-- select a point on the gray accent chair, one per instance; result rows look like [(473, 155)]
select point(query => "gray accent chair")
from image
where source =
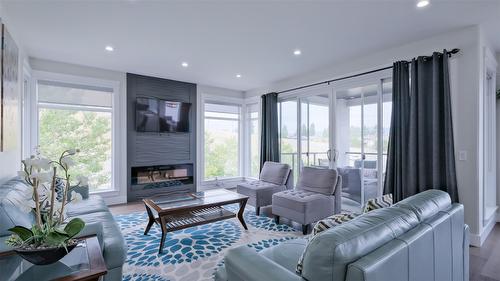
[(274, 177), (420, 238), (98, 221), (351, 183), (315, 197)]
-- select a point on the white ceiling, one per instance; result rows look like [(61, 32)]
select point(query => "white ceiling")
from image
[(221, 38)]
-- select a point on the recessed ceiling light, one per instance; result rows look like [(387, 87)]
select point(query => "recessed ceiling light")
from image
[(422, 3), (297, 52), (238, 75), (184, 64), (109, 48)]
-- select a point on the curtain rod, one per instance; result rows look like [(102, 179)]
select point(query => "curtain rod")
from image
[(450, 53)]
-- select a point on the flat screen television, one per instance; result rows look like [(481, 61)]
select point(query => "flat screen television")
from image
[(146, 115), (174, 116), (156, 115)]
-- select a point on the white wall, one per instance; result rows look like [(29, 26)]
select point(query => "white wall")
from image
[(10, 161), (465, 84)]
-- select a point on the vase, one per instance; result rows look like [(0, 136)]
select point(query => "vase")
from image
[(44, 256)]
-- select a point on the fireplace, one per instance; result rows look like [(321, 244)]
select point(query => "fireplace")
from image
[(161, 179)]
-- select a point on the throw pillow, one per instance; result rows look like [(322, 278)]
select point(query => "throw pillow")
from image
[(323, 225), (377, 203)]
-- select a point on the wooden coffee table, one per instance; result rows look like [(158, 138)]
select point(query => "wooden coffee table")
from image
[(174, 212)]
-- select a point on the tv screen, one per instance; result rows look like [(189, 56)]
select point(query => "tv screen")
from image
[(146, 115), (174, 116)]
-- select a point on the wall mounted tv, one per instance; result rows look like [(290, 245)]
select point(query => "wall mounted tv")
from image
[(156, 115)]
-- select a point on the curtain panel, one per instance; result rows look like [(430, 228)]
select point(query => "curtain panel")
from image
[(421, 152), (269, 137)]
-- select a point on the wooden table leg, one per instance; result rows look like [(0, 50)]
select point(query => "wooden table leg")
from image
[(151, 220), (243, 203), (163, 234)]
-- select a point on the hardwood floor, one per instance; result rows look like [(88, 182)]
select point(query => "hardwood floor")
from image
[(484, 262)]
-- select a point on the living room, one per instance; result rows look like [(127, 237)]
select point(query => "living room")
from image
[(216, 140)]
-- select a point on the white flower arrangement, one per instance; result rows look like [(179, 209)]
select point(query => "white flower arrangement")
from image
[(41, 175)]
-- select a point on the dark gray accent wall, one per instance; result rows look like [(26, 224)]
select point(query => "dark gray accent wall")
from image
[(149, 149)]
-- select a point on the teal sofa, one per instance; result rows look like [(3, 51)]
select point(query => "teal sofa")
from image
[(420, 238), (93, 211)]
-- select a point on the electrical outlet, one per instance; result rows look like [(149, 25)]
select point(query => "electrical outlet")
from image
[(462, 155)]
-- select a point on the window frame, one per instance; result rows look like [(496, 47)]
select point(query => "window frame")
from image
[(118, 123), (248, 103), (243, 147)]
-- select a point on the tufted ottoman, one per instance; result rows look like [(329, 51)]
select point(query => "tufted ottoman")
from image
[(259, 192), (274, 177), (315, 197)]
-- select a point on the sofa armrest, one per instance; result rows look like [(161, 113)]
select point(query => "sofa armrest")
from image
[(466, 252), (91, 229), (243, 263)]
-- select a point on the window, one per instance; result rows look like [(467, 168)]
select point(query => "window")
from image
[(78, 116), (254, 141), (221, 140)]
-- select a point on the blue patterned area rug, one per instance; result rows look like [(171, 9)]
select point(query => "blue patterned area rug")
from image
[(193, 253)]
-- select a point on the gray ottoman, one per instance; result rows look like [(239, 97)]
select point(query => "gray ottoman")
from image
[(274, 177), (316, 196)]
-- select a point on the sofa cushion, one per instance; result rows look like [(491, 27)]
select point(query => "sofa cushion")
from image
[(12, 193), (276, 173), (328, 254), (318, 180), (93, 204), (115, 249), (286, 253)]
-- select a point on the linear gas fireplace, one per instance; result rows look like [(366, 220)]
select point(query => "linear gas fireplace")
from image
[(161, 179)]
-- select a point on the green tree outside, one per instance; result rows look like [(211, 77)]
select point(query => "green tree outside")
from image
[(88, 131)]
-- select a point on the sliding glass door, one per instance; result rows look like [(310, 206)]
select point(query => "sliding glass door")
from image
[(343, 125), (362, 124), (305, 130)]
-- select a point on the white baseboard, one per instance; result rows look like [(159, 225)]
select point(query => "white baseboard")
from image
[(477, 240)]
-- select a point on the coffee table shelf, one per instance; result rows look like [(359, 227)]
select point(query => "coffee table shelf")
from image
[(196, 217), (204, 207)]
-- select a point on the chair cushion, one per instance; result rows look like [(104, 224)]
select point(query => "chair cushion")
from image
[(426, 204), (86, 206), (276, 173), (319, 180), (299, 200), (286, 253)]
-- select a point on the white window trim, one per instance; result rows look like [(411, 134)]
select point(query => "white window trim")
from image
[(118, 126), (247, 160), (227, 182)]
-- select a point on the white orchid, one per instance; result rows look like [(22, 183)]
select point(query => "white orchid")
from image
[(41, 163), (75, 196), (42, 177), (73, 151), (82, 180), (67, 162), (22, 174)]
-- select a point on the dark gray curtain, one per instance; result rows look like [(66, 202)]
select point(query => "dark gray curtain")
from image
[(269, 140), (421, 152)]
